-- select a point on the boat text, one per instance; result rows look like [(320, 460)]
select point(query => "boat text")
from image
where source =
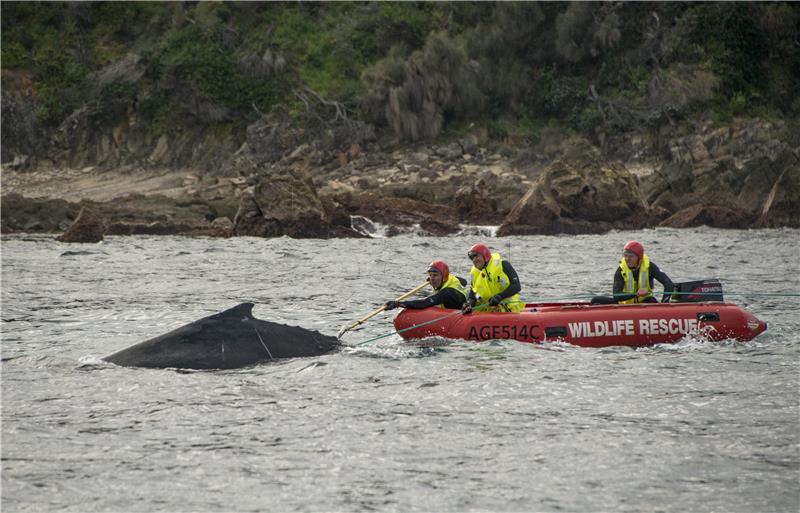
[(621, 327), (500, 332)]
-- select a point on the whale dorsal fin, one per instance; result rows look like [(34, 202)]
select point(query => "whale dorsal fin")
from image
[(240, 311)]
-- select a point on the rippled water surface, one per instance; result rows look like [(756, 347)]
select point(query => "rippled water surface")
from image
[(390, 425)]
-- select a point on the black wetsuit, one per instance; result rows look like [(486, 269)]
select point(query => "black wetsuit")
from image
[(655, 273), (448, 297), (513, 288)]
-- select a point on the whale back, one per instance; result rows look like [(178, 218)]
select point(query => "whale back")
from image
[(229, 339)]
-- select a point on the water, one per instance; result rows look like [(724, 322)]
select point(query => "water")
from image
[(390, 425)]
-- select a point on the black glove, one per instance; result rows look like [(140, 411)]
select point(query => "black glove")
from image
[(495, 300), (391, 305), (467, 307)]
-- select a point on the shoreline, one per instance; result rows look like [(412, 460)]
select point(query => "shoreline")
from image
[(178, 202), (570, 186)]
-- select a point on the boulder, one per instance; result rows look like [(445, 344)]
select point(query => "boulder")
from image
[(222, 227), (88, 227), (578, 194), (284, 202)]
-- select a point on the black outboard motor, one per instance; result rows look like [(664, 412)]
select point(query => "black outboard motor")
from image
[(697, 291)]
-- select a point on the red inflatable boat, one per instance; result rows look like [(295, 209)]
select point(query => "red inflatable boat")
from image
[(587, 325)]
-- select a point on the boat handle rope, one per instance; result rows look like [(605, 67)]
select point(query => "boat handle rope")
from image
[(589, 296), (780, 294)]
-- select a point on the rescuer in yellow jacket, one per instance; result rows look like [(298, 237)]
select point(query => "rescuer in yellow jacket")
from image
[(494, 283), (450, 291), (633, 279)]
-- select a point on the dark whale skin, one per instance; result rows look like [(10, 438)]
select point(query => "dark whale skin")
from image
[(228, 340)]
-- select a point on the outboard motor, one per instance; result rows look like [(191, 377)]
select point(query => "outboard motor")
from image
[(698, 291)]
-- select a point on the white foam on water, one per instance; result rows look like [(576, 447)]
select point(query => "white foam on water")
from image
[(475, 230), (368, 227)]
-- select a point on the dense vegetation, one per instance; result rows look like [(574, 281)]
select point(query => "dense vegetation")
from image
[(416, 69)]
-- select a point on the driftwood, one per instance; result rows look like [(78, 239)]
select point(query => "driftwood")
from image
[(313, 101)]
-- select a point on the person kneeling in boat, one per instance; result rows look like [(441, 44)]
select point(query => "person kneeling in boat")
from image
[(450, 291), (633, 280), (495, 284)]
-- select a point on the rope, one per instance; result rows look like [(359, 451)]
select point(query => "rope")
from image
[(263, 344), (397, 332), (778, 294), (589, 296), (451, 314)]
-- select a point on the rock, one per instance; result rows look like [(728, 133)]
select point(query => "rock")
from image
[(335, 212), (702, 215), (734, 167), (367, 182), (19, 213), (475, 205), (578, 194), (410, 168), (781, 207), (23, 136), (159, 153), (283, 203), (450, 152), (469, 144), (248, 219), (126, 70), (400, 213), (222, 227), (668, 186), (436, 228), (19, 163), (88, 227)]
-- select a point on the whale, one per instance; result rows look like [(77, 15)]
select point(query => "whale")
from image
[(230, 339)]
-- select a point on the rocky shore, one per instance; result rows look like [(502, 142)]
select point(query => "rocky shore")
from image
[(301, 181)]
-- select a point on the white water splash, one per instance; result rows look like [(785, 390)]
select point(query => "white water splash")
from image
[(368, 227), (477, 230)]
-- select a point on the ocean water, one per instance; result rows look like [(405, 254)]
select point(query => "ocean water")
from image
[(390, 425)]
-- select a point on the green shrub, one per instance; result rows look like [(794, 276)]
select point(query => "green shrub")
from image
[(586, 120), (562, 94), (14, 55), (211, 71)]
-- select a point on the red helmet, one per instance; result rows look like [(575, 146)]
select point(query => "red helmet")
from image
[(635, 248), (441, 267), (480, 249)]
